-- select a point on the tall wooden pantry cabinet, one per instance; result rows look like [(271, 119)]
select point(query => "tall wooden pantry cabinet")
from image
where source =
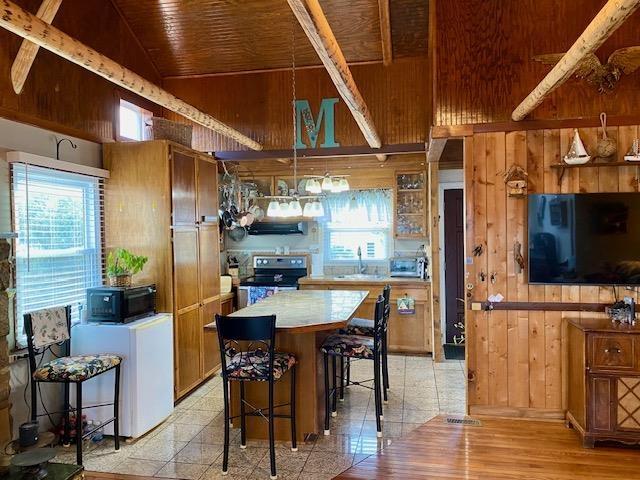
[(161, 200)]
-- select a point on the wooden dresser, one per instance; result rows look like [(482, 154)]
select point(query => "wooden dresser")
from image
[(161, 200), (604, 380)]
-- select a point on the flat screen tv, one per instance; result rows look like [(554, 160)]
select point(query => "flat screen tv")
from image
[(584, 239)]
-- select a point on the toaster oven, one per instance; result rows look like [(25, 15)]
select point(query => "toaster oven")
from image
[(120, 304), (411, 267)]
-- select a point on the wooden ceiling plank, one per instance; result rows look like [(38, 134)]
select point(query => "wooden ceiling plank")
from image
[(315, 25), (28, 50), (22, 23), (612, 15), (385, 32)]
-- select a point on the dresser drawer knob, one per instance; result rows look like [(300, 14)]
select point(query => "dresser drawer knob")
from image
[(614, 350)]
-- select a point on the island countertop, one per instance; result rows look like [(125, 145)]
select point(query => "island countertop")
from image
[(361, 280), (303, 311)]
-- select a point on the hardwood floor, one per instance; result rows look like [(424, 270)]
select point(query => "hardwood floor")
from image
[(498, 449)]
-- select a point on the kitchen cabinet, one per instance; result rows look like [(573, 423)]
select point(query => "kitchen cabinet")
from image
[(604, 381), (161, 201), (410, 333), (410, 220)]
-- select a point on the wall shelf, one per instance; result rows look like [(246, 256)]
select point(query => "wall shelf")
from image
[(561, 167), (539, 306)]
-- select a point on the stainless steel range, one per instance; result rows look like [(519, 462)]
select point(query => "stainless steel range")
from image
[(272, 274)]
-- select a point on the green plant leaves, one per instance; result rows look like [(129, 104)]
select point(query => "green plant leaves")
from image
[(122, 262)]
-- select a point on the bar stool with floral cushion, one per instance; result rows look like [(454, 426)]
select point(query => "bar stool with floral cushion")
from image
[(356, 347), (365, 327), (52, 327), (247, 347)]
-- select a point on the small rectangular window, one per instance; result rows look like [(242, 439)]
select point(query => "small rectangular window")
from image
[(132, 120)]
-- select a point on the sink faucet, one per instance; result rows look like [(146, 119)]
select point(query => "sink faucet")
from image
[(361, 266)]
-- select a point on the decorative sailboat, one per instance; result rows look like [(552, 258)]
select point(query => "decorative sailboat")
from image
[(577, 154), (634, 153)]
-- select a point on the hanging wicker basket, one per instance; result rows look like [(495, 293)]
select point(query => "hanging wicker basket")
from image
[(163, 129), (120, 280)]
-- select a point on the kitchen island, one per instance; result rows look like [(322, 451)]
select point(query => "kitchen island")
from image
[(409, 332), (303, 320)]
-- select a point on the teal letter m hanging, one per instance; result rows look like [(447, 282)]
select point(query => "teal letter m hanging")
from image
[(305, 122)]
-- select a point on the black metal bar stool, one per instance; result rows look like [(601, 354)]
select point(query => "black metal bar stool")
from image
[(256, 363), (356, 347), (52, 326), (366, 327)]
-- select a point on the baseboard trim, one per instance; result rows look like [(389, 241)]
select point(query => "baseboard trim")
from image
[(517, 412)]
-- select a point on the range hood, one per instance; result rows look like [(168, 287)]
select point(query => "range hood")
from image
[(277, 228)]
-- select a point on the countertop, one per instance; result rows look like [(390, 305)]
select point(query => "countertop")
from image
[(603, 325), (303, 311), (333, 279)]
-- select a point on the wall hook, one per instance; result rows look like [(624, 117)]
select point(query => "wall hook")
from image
[(477, 251), (482, 276), (58, 142), (494, 278)]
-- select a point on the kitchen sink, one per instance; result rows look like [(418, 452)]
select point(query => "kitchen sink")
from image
[(361, 276)]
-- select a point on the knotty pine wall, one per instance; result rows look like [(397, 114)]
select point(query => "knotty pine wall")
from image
[(516, 358)]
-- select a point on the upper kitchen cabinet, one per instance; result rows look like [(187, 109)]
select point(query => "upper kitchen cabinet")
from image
[(411, 205), (161, 202)]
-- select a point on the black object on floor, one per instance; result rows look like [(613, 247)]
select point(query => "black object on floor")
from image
[(453, 351)]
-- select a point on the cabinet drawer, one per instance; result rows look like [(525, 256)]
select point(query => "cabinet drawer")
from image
[(612, 352)]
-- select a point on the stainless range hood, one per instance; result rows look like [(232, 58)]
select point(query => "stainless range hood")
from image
[(278, 228)]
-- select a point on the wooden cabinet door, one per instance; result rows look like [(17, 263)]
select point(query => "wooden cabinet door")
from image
[(226, 307), (207, 191), (407, 332), (210, 345), (209, 262), (602, 411), (188, 346), (183, 187), (185, 268)]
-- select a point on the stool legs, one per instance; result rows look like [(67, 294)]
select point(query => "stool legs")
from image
[(341, 379), (334, 392), (116, 409), (66, 441), (225, 454), (294, 441), (377, 392), (326, 393), (243, 421), (34, 400), (272, 447), (385, 368), (79, 423)]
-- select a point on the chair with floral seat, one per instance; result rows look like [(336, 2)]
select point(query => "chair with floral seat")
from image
[(247, 348), (359, 347), (365, 327), (46, 329)]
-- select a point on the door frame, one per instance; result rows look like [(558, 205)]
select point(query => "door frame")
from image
[(448, 180)]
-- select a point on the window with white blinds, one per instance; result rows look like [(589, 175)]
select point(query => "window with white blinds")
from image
[(58, 218)]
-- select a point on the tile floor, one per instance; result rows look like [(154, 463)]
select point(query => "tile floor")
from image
[(188, 445)]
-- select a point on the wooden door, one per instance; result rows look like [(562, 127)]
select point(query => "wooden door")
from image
[(185, 267), (454, 264), (209, 262), (188, 346), (183, 187), (210, 346), (207, 191)]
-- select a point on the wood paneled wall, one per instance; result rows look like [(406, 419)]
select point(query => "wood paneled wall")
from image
[(516, 358), (259, 104), (484, 65), (64, 97)]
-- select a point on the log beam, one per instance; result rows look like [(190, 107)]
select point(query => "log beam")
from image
[(28, 50), (382, 157), (28, 26), (612, 15), (315, 25), (385, 32)]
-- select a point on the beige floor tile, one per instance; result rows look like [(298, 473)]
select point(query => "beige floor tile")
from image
[(214, 434), (286, 460), (409, 427), (315, 476), (337, 443), (187, 471), (236, 472), (327, 463), (389, 429), (390, 413), (419, 416), (179, 432), (370, 444), (161, 450), (201, 453), (209, 404), (340, 426), (264, 473), (196, 417), (136, 466), (249, 456)]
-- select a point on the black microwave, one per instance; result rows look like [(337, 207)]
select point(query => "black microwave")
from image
[(120, 304)]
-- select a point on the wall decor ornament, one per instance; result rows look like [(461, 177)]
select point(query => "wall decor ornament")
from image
[(516, 181)]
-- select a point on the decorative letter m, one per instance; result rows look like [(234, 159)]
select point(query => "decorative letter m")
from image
[(306, 122)]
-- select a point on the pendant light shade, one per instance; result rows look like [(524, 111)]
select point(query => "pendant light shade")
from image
[(308, 210), (313, 186), (285, 211), (318, 209), (327, 184), (295, 209), (273, 210), (344, 185), (335, 186)]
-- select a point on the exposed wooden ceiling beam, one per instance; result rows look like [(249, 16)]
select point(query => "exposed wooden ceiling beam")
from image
[(315, 25), (435, 149), (22, 23), (612, 15), (385, 32), (28, 50), (382, 157)]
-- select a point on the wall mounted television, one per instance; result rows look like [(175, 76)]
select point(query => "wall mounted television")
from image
[(584, 239)]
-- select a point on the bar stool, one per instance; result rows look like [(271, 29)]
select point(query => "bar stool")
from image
[(365, 327), (360, 347), (52, 326), (258, 362)]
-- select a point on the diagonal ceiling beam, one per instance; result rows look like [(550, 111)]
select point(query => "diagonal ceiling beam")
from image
[(28, 50), (385, 32), (315, 25), (612, 15), (28, 26)]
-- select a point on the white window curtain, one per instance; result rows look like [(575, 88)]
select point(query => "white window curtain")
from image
[(353, 220), (58, 218)]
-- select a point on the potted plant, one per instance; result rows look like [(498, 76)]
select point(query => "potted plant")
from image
[(121, 265)]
